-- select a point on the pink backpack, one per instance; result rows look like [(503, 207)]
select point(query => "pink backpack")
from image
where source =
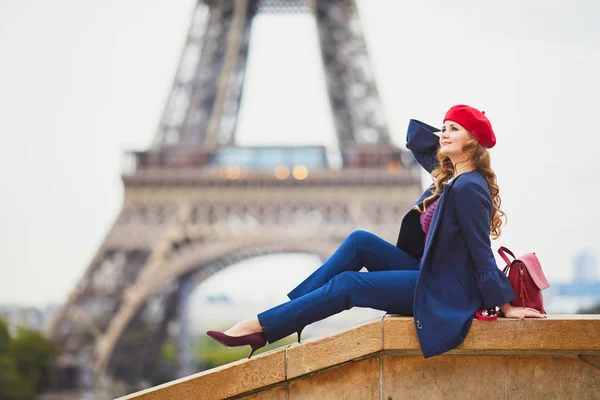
[(527, 279)]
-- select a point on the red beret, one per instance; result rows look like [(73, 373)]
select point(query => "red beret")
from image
[(475, 122)]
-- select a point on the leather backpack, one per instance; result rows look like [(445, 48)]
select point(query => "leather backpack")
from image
[(526, 278)]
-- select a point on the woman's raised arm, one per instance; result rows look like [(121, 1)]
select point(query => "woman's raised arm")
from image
[(423, 143)]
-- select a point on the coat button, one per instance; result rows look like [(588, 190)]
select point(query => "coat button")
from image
[(419, 324)]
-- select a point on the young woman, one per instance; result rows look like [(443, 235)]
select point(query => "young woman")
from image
[(442, 269)]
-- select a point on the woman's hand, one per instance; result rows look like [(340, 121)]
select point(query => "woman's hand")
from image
[(520, 312)]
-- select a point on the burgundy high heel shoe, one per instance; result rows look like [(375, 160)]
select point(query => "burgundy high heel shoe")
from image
[(254, 340)]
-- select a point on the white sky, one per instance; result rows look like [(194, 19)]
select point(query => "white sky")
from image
[(81, 81)]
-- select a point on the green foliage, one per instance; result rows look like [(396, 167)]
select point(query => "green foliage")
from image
[(592, 310), (34, 356), (4, 338), (12, 385), (25, 362), (168, 351)]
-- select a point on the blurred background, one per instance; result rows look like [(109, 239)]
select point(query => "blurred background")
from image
[(84, 94)]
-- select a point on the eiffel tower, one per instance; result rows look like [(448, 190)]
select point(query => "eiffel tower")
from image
[(195, 202)]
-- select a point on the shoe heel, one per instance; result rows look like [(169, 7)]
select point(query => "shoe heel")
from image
[(299, 333), (254, 348)]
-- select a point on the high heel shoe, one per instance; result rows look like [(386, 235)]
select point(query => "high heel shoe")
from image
[(254, 340), (299, 333)]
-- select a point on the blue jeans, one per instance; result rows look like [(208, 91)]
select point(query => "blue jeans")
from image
[(337, 286)]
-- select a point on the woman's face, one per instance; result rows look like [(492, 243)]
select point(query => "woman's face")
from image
[(453, 139)]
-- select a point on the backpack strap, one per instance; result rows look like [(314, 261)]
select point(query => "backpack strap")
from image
[(502, 250)]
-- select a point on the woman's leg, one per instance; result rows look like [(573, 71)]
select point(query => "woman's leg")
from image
[(360, 249), (390, 291)]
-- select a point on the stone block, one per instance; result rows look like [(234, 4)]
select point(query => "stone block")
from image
[(275, 393), (355, 380), (593, 360), (557, 332), (399, 333), (443, 377), (311, 356), (546, 377)]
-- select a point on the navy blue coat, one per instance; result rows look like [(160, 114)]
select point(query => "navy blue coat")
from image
[(458, 274)]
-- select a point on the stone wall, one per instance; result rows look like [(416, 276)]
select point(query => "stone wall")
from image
[(553, 358)]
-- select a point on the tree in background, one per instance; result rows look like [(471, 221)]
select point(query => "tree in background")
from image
[(593, 310), (26, 362), (4, 337)]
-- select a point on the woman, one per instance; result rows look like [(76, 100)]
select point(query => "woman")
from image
[(442, 269)]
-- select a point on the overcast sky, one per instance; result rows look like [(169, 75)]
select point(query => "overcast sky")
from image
[(82, 81)]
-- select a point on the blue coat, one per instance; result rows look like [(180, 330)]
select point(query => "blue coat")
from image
[(458, 274)]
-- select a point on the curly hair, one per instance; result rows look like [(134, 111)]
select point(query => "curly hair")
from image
[(480, 158)]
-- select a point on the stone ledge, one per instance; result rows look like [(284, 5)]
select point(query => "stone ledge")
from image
[(392, 338), (557, 332)]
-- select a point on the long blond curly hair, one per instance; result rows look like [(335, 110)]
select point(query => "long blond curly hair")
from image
[(480, 158)]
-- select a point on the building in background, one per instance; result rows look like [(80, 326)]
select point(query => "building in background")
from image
[(582, 293)]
